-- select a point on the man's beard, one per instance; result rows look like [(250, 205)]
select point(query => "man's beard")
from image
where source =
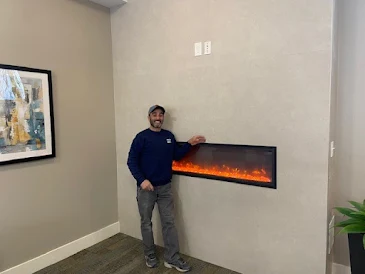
[(156, 125)]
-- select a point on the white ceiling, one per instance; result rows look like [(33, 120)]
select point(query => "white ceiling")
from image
[(110, 3)]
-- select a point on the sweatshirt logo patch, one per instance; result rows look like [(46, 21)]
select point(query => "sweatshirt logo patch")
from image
[(168, 141)]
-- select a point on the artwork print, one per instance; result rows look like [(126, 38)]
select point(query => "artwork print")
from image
[(26, 114)]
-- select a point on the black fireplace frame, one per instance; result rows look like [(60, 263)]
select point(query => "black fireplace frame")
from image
[(272, 185)]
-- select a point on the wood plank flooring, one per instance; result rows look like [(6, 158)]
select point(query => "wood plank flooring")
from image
[(122, 254)]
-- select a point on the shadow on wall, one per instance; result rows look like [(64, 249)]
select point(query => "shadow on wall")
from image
[(169, 120), (179, 216)]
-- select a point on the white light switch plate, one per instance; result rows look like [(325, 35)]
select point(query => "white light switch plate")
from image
[(198, 48)]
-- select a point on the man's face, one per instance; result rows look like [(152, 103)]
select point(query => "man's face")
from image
[(156, 118)]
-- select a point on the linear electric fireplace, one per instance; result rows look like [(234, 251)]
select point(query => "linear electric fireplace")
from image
[(243, 164)]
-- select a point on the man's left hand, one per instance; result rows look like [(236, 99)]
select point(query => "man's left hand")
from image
[(198, 139)]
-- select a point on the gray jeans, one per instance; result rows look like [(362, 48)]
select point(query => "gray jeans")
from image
[(162, 195)]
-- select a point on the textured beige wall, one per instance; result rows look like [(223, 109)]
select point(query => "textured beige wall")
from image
[(46, 204), (267, 82), (350, 148)]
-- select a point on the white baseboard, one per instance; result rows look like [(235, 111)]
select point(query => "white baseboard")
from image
[(64, 251), (340, 269)]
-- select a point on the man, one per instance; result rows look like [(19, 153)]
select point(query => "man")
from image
[(150, 162)]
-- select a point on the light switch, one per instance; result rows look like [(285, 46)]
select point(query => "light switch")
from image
[(198, 48)]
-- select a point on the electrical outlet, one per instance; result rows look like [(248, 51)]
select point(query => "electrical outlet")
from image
[(207, 47), (198, 48)]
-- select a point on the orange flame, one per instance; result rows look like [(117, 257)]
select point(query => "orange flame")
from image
[(258, 175)]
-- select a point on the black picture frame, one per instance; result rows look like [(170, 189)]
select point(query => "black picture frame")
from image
[(27, 131)]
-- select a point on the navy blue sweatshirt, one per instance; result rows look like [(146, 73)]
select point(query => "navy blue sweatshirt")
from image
[(151, 155)]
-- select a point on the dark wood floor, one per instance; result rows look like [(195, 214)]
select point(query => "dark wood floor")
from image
[(121, 254)]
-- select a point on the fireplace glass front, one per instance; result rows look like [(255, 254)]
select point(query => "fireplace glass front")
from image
[(243, 164)]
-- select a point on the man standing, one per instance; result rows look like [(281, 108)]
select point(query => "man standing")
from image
[(150, 162)]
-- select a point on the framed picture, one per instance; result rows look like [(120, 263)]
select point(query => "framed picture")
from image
[(26, 114)]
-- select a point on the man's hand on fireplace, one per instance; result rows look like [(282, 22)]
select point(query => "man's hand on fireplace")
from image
[(146, 185), (198, 139)]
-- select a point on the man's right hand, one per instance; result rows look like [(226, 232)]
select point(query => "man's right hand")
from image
[(146, 185)]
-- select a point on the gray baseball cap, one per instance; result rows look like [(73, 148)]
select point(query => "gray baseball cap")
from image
[(154, 107)]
